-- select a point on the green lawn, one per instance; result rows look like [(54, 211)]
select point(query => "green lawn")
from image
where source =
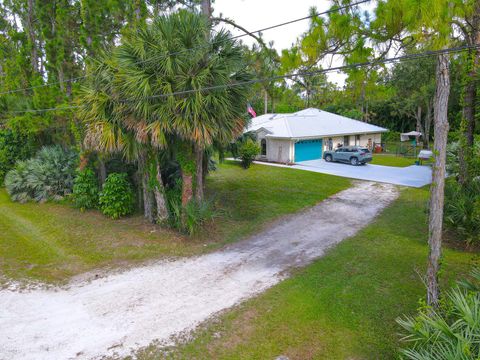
[(392, 160), (52, 242), (344, 305)]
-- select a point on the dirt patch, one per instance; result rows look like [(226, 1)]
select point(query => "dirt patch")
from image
[(129, 310)]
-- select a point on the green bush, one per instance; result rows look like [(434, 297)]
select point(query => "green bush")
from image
[(450, 332), (14, 146), (191, 218), (462, 202), (85, 190), (47, 176), (195, 215), (462, 208), (248, 151), (116, 198)]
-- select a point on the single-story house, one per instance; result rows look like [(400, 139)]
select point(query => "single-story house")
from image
[(304, 135)]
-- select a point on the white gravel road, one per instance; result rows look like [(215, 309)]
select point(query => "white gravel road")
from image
[(124, 311)]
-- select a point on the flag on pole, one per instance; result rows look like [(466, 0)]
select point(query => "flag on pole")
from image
[(251, 111)]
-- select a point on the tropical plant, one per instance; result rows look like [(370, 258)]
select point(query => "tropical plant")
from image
[(116, 198), (462, 200), (85, 190), (14, 146), (449, 332), (462, 209), (248, 150), (47, 176), (166, 93)]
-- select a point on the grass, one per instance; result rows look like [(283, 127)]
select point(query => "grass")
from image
[(53, 242), (392, 160), (343, 306)]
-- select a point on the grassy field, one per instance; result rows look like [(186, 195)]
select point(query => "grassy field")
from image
[(392, 160), (52, 242), (344, 305)]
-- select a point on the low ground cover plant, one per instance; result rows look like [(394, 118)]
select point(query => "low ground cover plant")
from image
[(449, 332)]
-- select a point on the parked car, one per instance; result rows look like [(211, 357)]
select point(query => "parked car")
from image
[(354, 155)]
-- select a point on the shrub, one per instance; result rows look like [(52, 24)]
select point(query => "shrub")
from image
[(14, 146), (462, 209), (248, 151), (233, 148), (116, 198), (47, 176), (85, 190), (195, 215), (191, 218), (462, 202), (452, 331)]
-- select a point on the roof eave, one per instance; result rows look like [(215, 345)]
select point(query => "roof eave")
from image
[(272, 136)]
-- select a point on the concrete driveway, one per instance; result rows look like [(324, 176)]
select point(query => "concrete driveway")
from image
[(413, 176)]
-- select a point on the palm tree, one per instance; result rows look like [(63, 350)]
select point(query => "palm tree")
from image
[(111, 127), (162, 71)]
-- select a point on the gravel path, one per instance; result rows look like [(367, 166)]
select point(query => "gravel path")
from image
[(128, 310)]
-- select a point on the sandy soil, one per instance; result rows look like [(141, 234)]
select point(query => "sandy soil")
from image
[(122, 312)]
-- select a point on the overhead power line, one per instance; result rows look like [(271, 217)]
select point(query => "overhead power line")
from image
[(408, 57), (335, 9)]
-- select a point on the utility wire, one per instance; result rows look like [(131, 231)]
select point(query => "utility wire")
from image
[(408, 57), (335, 9)]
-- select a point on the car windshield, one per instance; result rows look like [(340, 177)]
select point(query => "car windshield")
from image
[(364, 150)]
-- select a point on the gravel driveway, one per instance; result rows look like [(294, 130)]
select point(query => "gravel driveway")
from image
[(128, 310)]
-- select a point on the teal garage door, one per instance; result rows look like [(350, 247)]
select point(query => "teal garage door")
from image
[(308, 150)]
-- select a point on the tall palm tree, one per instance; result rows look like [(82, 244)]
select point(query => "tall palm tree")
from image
[(179, 80), (111, 127)]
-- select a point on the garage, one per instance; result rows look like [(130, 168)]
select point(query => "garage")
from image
[(308, 150)]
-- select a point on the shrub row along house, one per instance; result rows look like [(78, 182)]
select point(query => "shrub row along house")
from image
[(304, 135)]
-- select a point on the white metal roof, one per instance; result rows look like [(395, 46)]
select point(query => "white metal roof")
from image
[(310, 123)]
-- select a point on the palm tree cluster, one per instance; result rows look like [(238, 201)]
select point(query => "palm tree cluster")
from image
[(165, 95)]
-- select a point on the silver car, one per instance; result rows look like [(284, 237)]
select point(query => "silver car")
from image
[(354, 155)]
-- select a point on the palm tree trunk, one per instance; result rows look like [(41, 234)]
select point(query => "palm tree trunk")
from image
[(438, 179), (187, 188), (159, 192), (147, 194), (199, 173), (102, 170)]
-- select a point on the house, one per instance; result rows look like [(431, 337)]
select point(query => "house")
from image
[(304, 135)]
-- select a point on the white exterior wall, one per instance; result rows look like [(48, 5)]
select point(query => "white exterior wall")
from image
[(280, 150), (363, 141), (283, 150), (261, 135)]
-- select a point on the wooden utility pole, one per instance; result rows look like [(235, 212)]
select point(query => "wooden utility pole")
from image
[(435, 223)]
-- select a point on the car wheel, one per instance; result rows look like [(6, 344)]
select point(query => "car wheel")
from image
[(354, 161), (328, 158)]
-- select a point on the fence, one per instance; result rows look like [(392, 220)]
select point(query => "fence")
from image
[(405, 149)]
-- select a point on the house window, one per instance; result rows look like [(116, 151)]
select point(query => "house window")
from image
[(357, 139), (346, 141), (263, 144), (330, 144)]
